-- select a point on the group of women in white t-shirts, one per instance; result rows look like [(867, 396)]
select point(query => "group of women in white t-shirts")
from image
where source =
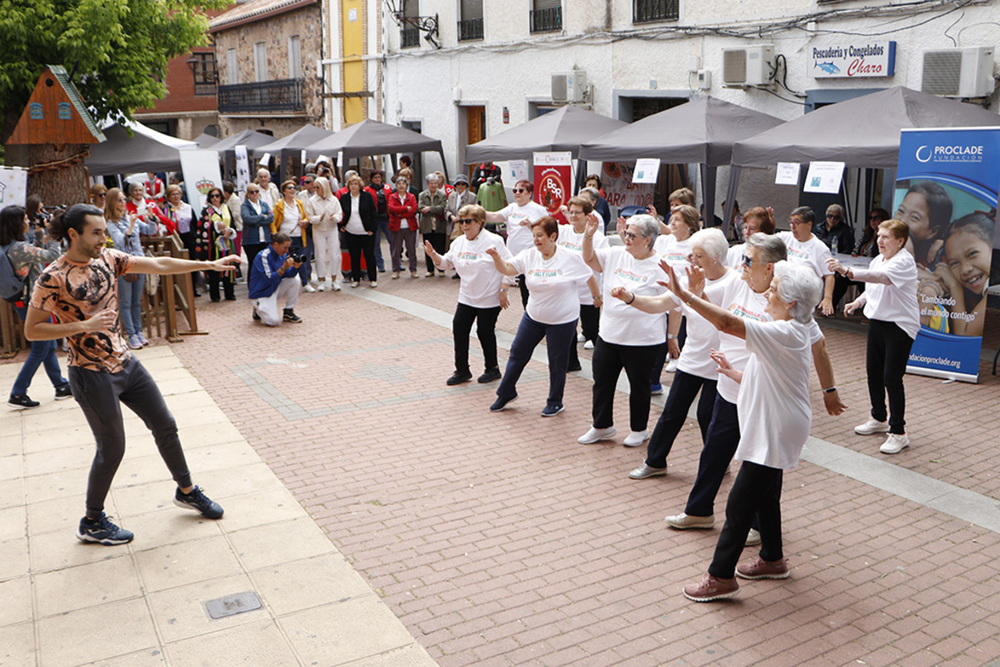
[(751, 340)]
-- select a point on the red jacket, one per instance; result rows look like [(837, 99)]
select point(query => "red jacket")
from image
[(154, 210), (402, 209)]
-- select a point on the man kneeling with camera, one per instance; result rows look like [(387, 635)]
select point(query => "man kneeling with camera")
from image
[(273, 279)]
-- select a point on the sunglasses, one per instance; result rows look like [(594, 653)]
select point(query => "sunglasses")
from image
[(747, 262), (520, 190), (830, 216), (466, 221), (214, 195)]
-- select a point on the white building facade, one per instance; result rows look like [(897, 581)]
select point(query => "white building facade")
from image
[(497, 58)]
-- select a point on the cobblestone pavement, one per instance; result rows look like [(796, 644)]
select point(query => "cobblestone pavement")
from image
[(498, 540)]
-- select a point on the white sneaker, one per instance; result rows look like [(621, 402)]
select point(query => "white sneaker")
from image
[(596, 435), (308, 288), (589, 345), (336, 286), (895, 443), (322, 286), (671, 366), (753, 538), (580, 338), (872, 426), (635, 438), (373, 284), (355, 283)]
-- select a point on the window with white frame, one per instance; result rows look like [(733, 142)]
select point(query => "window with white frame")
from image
[(260, 62), (294, 57), (232, 68)]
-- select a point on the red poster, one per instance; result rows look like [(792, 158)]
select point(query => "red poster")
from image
[(553, 174)]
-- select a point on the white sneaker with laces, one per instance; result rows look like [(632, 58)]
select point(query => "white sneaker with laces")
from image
[(596, 435), (871, 427), (309, 288), (589, 345), (322, 286), (635, 438), (336, 286), (895, 443)]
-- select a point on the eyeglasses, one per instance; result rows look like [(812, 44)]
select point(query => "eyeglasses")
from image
[(466, 221), (520, 190), (290, 187), (831, 216), (630, 235), (253, 192), (214, 195)]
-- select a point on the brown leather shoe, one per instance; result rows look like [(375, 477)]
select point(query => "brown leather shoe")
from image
[(758, 568), (710, 588)]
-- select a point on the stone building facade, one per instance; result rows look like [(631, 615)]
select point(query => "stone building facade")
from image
[(267, 53)]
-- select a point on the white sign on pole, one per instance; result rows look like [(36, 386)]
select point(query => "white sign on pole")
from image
[(13, 186), (824, 177), (201, 174), (518, 170), (646, 170), (242, 169), (787, 174)]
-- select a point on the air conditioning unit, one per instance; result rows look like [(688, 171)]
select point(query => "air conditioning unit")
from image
[(966, 72), (747, 66), (569, 87)]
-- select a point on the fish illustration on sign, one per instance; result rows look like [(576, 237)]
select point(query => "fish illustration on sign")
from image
[(829, 68)]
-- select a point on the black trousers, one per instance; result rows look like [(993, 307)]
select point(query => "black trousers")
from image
[(437, 241), (100, 395), (683, 391), (214, 277), (461, 326), (252, 250), (756, 493), (523, 288), (720, 444), (590, 316), (609, 360), (358, 244), (888, 352)]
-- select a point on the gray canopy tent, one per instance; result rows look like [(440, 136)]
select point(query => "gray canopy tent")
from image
[(206, 140), (249, 138), (561, 130), (701, 131), (371, 137), (861, 132), (293, 144), (142, 151)]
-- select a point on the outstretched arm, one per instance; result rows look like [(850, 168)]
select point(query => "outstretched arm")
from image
[(174, 265)]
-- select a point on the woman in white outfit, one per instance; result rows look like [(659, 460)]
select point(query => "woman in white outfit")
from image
[(324, 215)]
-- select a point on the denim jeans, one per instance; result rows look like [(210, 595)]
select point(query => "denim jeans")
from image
[(42, 352), (130, 301), (380, 231)]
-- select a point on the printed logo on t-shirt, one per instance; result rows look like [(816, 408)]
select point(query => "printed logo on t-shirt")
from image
[(468, 256), (631, 276), (545, 273), (795, 253), (742, 311), (569, 245), (674, 257)]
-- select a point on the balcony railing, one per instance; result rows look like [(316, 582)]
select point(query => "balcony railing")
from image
[(654, 10), (470, 29), (546, 20), (409, 37), (284, 95)]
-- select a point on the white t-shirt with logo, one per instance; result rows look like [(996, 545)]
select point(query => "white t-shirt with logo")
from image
[(740, 300), (812, 253), (553, 284), (573, 241), (897, 302), (773, 404), (518, 235), (480, 286), (702, 336), (622, 324)]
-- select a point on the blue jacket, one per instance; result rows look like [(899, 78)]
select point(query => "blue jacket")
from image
[(256, 228), (264, 278)]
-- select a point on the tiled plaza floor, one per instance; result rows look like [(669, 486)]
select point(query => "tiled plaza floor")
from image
[(498, 540)]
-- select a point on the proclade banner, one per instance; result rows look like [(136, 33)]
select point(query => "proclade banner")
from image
[(946, 192)]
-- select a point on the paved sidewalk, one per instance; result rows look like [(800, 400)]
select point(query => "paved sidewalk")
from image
[(498, 540), (67, 603)]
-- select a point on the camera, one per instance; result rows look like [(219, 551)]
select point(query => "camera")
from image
[(297, 257)]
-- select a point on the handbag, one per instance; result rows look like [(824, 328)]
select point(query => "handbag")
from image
[(11, 285)]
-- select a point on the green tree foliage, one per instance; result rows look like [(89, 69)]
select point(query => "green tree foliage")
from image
[(115, 51)]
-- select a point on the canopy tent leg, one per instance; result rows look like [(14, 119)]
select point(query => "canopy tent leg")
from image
[(444, 165), (734, 185), (708, 179), (581, 174)]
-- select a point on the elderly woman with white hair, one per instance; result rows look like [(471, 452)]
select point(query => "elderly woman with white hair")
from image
[(268, 190), (774, 382), (696, 371), (433, 227), (628, 338)]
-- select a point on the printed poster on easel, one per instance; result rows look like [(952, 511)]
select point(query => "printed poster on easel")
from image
[(13, 186), (946, 191)]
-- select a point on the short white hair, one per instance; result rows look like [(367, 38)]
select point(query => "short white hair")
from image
[(263, 172), (648, 226), (432, 177), (712, 241), (798, 283)]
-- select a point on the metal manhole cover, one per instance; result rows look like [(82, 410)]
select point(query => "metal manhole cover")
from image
[(233, 604)]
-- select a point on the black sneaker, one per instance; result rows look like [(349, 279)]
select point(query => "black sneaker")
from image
[(290, 316), (199, 502), (21, 402), (102, 531), (63, 392), (458, 377), (552, 409), (489, 376), (256, 317), (502, 403)]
